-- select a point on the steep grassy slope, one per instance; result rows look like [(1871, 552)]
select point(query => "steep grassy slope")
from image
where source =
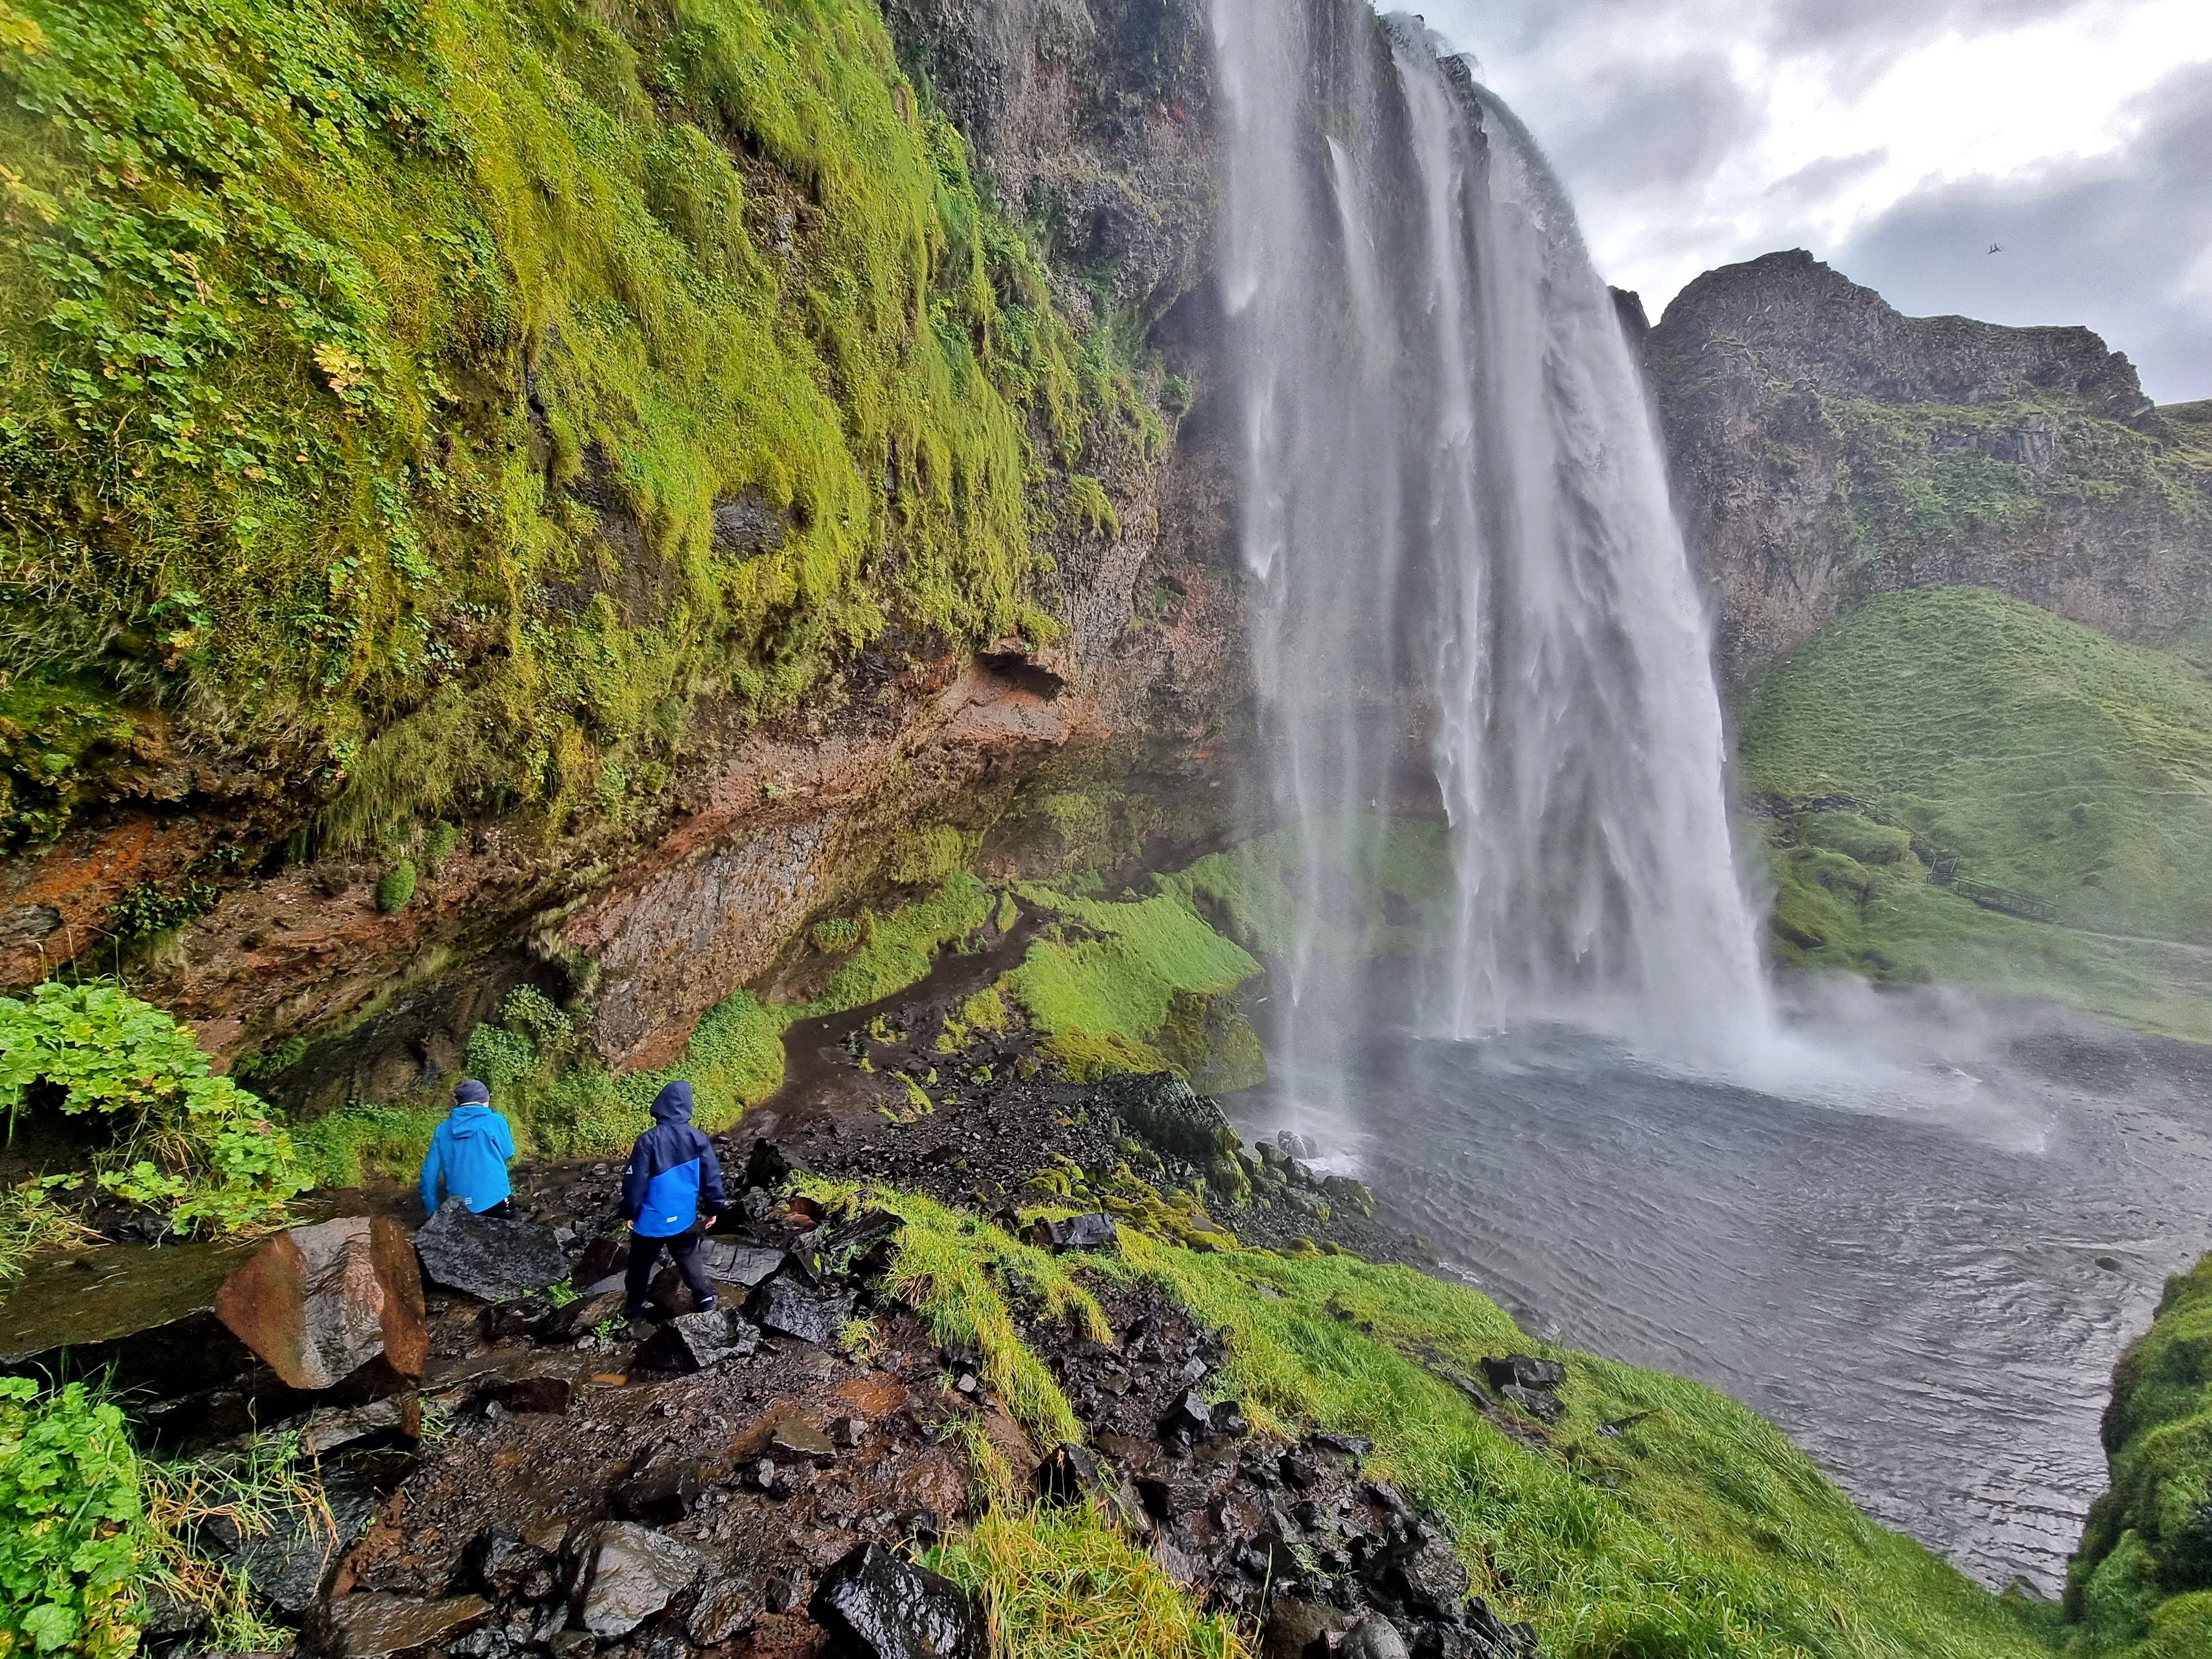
[(433, 399), (2046, 757)]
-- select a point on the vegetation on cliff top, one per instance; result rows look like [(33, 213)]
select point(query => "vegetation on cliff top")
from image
[(436, 398), (2047, 757)]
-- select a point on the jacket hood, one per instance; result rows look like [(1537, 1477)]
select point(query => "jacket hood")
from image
[(672, 1104), (470, 1118)]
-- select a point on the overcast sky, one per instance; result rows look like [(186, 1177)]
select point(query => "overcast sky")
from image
[(1898, 139)]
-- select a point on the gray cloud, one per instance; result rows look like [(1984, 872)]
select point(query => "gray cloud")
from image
[(2104, 243), (1657, 124)]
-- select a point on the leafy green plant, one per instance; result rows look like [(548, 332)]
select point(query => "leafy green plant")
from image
[(397, 887), (72, 1524), (148, 908), (187, 1140)]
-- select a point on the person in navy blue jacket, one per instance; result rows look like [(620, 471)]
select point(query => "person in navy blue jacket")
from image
[(671, 1183)]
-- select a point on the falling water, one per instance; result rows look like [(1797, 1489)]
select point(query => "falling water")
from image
[(1470, 592)]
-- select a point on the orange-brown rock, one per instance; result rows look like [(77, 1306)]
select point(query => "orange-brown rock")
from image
[(319, 1302)]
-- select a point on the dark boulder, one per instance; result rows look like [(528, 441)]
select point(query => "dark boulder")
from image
[(659, 1495), (888, 1608), (1523, 1370), (575, 1319), (290, 1557), (1422, 1575), (605, 1255), (514, 1322), (766, 1167), (382, 1626), (1373, 1637), (319, 1302), (1072, 1474), (500, 1564), (1189, 1416), (493, 1257), (694, 1341), (1301, 1630), (621, 1574), (789, 1308), (730, 1263), (1170, 1116), (1544, 1407), (1078, 1232)]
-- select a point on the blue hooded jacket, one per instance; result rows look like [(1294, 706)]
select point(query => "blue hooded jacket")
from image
[(470, 1150), (671, 1169)]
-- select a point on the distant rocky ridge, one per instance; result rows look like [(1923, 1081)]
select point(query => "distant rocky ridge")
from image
[(1827, 448)]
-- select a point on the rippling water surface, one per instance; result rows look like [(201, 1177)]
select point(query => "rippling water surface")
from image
[(1922, 1268)]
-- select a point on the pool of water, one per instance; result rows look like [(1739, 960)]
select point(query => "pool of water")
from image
[(1921, 1266)]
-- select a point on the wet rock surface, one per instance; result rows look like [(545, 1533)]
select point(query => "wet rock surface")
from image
[(493, 1257), (317, 1303)]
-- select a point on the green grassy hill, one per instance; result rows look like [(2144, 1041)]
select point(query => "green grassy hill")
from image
[(2049, 758)]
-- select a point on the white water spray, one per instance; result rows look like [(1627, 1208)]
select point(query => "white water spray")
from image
[(1465, 567)]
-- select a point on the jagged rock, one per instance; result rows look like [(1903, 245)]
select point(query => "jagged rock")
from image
[(1301, 1630), (790, 1309), (378, 1625), (319, 1302), (730, 1263), (658, 1495), (891, 1609), (726, 1610), (167, 1617), (1545, 1408), (288, 1560), (606, 1255), (1525, 1371), (549, 1395), (1348, 1194), (493, 1257), (499, 1563), (1073, 1473), (794, 1436), (1168, 1114), (766, 1167), (1189, 1416), (566, 1324), (514, 1322), (1078, 1232), (1423, 1576), (624, 1574), (1373, 1637), (694, 1341)]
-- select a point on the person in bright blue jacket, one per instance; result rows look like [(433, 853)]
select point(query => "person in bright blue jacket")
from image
[(671, 1186), (469, 1152)]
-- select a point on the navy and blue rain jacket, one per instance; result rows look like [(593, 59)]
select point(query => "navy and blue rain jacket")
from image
[(470, 1150), (672, 1170)]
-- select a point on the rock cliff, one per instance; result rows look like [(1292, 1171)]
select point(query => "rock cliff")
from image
[(573, 715), (1827, 448)]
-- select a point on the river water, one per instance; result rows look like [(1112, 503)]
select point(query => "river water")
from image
[(1923, 1266)]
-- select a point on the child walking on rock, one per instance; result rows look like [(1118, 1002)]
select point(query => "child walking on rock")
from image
[(469, 1153), (671, 1178)]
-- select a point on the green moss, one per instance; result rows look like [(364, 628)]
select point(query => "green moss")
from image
[(1857, 838), (1103, 991), (365, 371), (53, 738), (1391, 880), (2149, 1538), (895, 950), (924, 857), (397, 887)]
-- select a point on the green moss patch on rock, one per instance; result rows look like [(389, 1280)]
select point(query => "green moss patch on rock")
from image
[(2142, 1582)]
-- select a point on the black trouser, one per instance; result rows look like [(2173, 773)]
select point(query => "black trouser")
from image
[(645, 1252)]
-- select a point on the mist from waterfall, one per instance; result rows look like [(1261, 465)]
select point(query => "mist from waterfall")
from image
[(1468, 590)]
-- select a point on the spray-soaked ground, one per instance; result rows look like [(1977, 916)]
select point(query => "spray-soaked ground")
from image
[(1925, 1282)]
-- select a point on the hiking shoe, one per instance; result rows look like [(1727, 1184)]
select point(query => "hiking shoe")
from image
[(707, 1305)]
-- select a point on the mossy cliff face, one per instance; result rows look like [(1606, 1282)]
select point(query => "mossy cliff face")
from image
[(637, 470), (1826, 449), (2141, 1583)]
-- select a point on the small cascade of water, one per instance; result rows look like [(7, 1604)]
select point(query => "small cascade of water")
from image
[(1470, 593)]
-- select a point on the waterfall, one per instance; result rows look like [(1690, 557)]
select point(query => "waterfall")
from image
[(1468, 591)]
